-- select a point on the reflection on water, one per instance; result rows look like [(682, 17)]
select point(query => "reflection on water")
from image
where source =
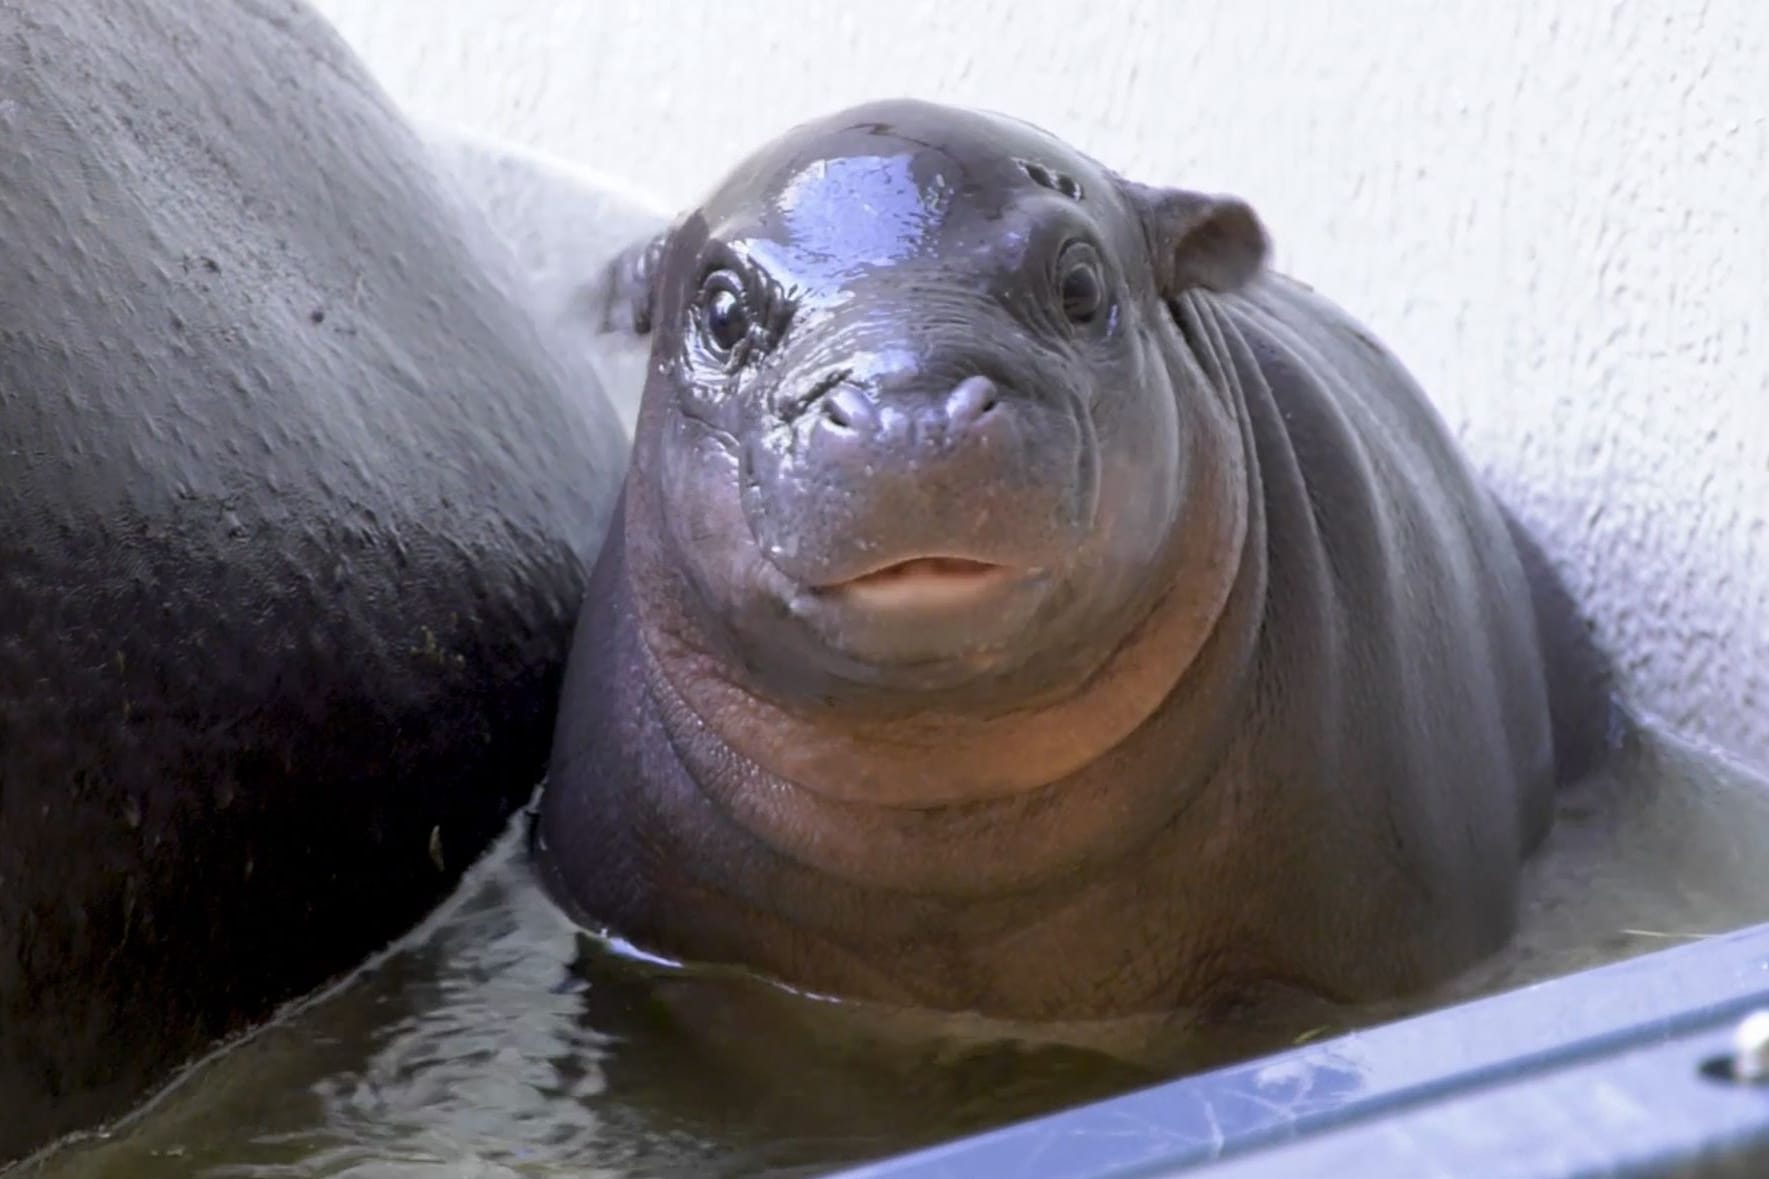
[(499, 1041)]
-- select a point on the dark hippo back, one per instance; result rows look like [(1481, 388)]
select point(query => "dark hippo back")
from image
[(296, 508)]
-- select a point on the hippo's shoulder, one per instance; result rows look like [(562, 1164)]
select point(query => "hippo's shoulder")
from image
[(1295, 328), (1305, 311), (1340, 389)]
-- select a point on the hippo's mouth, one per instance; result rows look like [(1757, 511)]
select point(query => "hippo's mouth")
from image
[(937, 616), (923, 583)]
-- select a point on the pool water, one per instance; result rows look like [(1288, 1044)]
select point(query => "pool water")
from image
[(498, 1040)]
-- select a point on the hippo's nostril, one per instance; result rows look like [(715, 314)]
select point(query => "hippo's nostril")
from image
[(972, 400), (848, 408)]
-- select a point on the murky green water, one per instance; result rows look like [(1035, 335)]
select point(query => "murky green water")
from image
[(498, 1041)]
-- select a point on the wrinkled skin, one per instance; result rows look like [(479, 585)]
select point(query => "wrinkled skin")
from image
[(1026, 603)]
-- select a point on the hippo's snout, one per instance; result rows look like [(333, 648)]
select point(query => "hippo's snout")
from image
[(851, 421), (937, 464), (855, 427)]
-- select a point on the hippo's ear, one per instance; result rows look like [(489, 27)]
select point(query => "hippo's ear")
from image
[(1199, 240), (630, 286)]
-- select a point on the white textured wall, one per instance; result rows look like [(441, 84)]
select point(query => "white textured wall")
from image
[(1558, 213)]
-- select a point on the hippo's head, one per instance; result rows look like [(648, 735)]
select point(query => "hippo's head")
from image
[(916, 416)]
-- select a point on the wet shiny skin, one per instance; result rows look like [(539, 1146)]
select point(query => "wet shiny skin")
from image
[(908, 383), (1242, 693)]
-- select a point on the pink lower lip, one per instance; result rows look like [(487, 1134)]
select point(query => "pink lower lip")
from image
[(924, 581), (928, 567)]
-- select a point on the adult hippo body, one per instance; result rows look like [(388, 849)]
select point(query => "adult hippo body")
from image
[(298, 513), (1021, 601)]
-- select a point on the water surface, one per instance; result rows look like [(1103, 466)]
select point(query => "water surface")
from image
[(498, 1040)]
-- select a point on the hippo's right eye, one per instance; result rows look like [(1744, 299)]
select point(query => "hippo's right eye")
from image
[(1080, 285), (724, 317)]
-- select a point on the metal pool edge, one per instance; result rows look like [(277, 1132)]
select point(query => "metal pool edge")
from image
[(1608, 1071)]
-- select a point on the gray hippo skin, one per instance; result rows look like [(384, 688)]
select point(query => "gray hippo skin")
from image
[(297, 517), (1022, 601)]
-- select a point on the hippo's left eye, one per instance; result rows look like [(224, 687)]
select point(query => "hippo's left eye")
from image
[(724, 317), (1081, 285)]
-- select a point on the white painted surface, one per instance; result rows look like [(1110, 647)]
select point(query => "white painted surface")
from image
[(1558, 213), (564, 225)]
